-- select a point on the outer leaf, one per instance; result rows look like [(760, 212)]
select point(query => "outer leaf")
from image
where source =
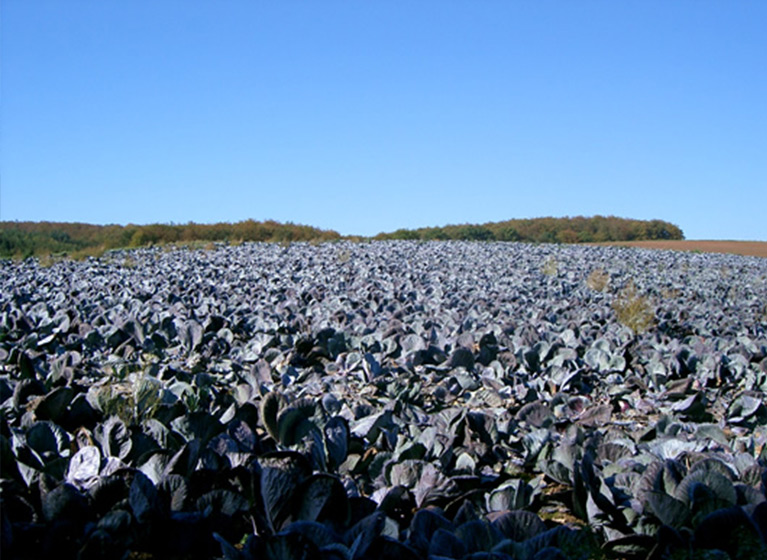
[(288, 546), (144, 499), (222, 501), (514, 494), (361, 536), (478, 536), (115, 438), (174, 491), (54, 405), (294, 422), (323, 498), (47, 439), (270, 406), (318, 533), (668, 509), (336, 438), (732, 531), (85, 466), (197, 425), (446, 544), (519, 525), (65, 503), (423, 526), (281, 476)]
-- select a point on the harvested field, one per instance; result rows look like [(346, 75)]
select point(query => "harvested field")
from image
[(748, 248)]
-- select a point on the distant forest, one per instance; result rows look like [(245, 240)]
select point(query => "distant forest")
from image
[(548, 230), (26, 239)]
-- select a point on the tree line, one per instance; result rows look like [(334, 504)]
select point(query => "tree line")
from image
[(548, 230), (26, 239)]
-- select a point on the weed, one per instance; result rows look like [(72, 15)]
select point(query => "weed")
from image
[(670, 293), (550, 266), (634, 310), (47, 260), (598, 280), (131, 400), (88, 252)]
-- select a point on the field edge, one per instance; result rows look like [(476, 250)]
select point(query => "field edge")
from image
[(745, 248)]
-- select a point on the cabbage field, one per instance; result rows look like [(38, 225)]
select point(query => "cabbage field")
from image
[(384, 400)]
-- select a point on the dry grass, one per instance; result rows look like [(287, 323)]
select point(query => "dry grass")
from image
[(89, 252), (598, 280), (634, 310), (670, 293), (550, 266), (48, 260)]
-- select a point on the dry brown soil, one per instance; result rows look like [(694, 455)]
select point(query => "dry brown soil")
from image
[(751, 248)]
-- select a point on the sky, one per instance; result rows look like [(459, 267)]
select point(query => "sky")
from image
[(369, 116)]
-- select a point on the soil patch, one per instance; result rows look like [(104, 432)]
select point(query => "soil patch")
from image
[(749, 248)]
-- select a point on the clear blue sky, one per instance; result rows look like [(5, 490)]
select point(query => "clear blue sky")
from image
[(368, 116)]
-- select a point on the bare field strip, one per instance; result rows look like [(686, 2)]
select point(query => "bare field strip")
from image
[(748, 248)]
